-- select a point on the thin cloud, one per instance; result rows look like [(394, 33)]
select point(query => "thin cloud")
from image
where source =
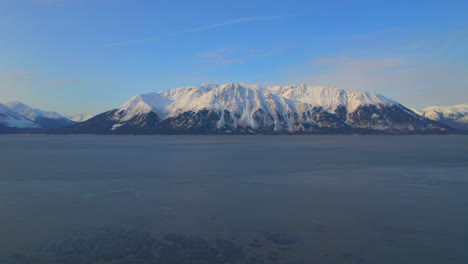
[(227, 23), (443, 41), (60, 80), (134, 42), (374, 35), (197, 79), (417, 45), (235, 55), (51, 1), (198, 29), (233, 61), (28, 76), (21, 76)]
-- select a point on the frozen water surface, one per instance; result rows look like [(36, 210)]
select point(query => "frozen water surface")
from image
[(233, 199)]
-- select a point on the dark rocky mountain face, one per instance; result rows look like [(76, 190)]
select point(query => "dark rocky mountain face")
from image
[(46, 123), (462, 126), (6, 130), (201, 122), (141, 123), (105, 124), (100, 124), (392, 119)]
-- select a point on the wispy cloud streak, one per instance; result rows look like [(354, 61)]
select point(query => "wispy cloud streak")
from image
[(27, 76), (51, 1), (198, 29), (235, 55), (227, 23)]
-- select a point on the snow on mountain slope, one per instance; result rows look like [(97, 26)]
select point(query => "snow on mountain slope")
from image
[(80, 118), (359, 110), (12, 119), (43, 119), (181, 93), (356, 99), (240, 103), (250, 108), (302, 108), (329, 98), (455, 115), (435, 112), (232, 97), (142, 104), (183, 96), (163, 103), (31, 113)]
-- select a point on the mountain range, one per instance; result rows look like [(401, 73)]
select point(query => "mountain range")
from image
[(455, 116), (10, 120), (239, 108), (18, 117), (40, 118)]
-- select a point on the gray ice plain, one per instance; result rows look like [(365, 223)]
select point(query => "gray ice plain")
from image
[(233, 199)]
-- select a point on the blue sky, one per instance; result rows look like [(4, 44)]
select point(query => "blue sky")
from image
[(88, 56)]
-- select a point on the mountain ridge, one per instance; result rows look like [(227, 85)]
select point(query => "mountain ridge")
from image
[(17, 117), (237, 108), (455, 115), (11, 119)]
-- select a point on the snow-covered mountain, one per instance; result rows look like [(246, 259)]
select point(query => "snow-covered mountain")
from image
[(79, 118), (11, 119), (43, 119), (16, 117), (240, 108), (455, 116), (31, 113)]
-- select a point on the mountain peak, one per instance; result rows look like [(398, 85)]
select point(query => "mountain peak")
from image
[(14, 102), (39, 118), (10, 118), (142, 104), (18, 106), (232, 86)]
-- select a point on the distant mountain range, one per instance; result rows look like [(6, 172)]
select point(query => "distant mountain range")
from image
[(79, 118), (455, 116), (18, 117), (12, 119), (39, 118), (237, 108)]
